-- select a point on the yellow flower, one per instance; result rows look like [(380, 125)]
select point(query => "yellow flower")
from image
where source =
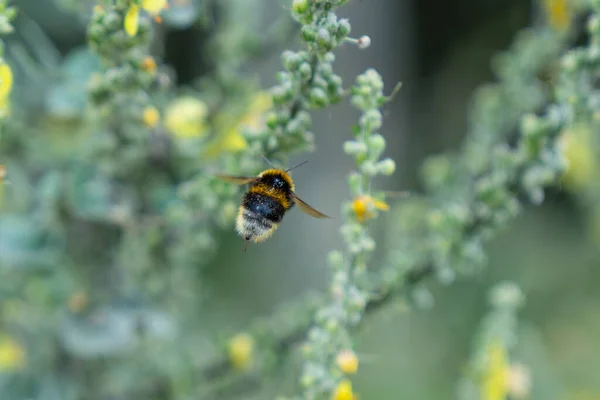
[(6, 82), (364, 207), (343, 391), (149, 64), (347, 361), (132, 17), (151, 116), (495, 375), (559, 14), (12, 355), (230, 138), (576, 147), (186, 117), (240, 350), (154, 7), (132, 20)]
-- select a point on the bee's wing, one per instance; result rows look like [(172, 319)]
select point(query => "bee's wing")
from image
[(308, 209), (240, 180)]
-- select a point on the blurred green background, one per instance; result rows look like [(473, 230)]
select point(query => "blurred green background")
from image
[(441, 51)]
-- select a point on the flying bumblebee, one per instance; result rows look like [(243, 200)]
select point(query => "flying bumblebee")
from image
[(270, 195)]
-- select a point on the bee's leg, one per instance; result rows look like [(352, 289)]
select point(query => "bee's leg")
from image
[(246, 246)]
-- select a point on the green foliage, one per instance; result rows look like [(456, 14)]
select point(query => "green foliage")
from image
[(112, 208)]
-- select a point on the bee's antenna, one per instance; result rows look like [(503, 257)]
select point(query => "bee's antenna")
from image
[(296, 166), (268, 161)]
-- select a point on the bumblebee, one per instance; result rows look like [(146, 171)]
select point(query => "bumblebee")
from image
[(270, 195)]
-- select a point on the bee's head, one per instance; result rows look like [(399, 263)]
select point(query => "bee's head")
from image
[(277, 179)]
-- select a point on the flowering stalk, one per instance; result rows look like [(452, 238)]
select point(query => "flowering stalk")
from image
[(328, 354), (308, 82), (121, 37), (469, 203), (492, 375)]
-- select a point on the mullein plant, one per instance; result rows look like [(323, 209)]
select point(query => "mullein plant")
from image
[(112, 232), (472, 194)]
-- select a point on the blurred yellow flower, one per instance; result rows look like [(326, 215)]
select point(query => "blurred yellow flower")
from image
[(576, 147), (186, 117), (151, 116), (343, 391), (347, 361), (364, 207), (229, 137), (494, 385), (149, 64), (6, 83), (241, 348), (154, 7), (132, 17), (559, 14), (12, 355), (132, 20)]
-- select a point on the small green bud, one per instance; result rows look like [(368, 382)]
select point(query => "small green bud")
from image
[(300, 6), (329, 58), (319, 82), (283, 77), (368, 244), (325, 70), (376, 143), (334, 84), (282, 93), (343, 28), (305, 71), (304, 118), (309, 33), (324, 39), (355, 183), (369, 168), (353, 147), (294, 126), (532, 126), (112, 21), (307, 381), (593, 25), (272, 120), (290, 60), (374, 79), (332, 325), (359, 102), (371, 120), (318, 97), (507, 295), (96, 32), (386, 166)]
